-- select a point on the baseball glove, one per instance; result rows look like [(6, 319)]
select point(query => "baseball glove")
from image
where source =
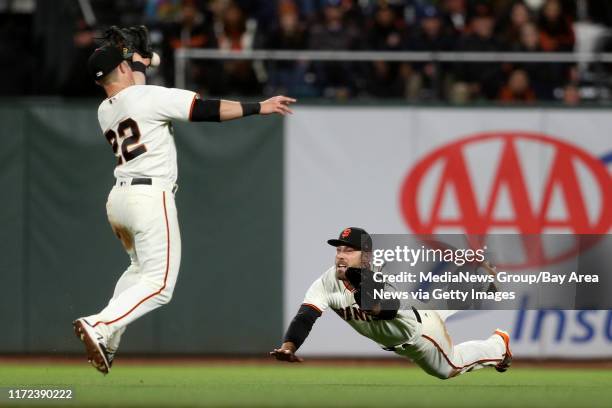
[(362, 279), (129, 40)]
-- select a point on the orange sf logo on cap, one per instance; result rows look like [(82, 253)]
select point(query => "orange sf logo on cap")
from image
[(346, 233)]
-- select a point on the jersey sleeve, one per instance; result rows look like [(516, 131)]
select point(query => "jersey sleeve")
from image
[(316, 296), (173, 104)]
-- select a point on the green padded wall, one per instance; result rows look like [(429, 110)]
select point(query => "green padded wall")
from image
[(60, 259)]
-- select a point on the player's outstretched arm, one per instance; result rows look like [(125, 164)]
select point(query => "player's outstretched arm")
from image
[(233, 110), (296, 334), (220, 110)]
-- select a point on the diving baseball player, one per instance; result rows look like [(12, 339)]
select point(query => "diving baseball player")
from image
[(417, 334), (136, 120)]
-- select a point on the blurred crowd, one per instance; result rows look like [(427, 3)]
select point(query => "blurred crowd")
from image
[(63, 33)]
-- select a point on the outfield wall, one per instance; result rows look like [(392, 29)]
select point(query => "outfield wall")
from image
[(60, 259), (349, 166)]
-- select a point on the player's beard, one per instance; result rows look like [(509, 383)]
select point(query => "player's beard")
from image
[(341, 272), (342, 266)]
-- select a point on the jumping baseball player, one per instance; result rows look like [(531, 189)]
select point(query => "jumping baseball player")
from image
[(420, 335), (136, 120)]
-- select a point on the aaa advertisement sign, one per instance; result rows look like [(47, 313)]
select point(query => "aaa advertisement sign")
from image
[(423, 170)]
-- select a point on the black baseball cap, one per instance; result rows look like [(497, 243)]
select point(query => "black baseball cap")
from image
[(353, 237), (103, 61)]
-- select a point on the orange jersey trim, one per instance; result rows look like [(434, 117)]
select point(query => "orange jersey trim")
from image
[(349, 287), (310, 305), (192, 105)]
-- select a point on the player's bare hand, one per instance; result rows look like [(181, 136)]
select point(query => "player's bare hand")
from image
[(286, 355), (138, 58), (277, 104)]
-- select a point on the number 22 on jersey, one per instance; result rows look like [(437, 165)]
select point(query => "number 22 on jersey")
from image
[(125, 141)]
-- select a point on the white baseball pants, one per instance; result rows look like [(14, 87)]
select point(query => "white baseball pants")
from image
[(435, 353), (144, 218)]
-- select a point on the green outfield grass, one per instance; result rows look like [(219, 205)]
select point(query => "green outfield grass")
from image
[(312, 386)]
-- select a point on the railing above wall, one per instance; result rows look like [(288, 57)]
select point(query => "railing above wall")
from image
[(182, 55)]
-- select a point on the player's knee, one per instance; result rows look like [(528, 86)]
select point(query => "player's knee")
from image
[(164, 296), (442, 374), (448, 374)]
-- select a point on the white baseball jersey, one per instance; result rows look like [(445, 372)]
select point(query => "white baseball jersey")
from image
[(330, 292), (427, 344), (137, 123)]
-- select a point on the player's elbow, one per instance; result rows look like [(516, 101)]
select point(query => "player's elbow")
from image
[(206, 111)]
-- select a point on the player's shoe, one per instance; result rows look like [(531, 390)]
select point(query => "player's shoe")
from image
[(507, 361), (94, 345), (110, 356)]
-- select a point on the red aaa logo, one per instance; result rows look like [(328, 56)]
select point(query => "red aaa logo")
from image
[(565, 179)]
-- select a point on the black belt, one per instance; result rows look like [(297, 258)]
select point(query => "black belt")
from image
[(417, 315), (405, 345), (146, 181), (141, 180), (137, 180)]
